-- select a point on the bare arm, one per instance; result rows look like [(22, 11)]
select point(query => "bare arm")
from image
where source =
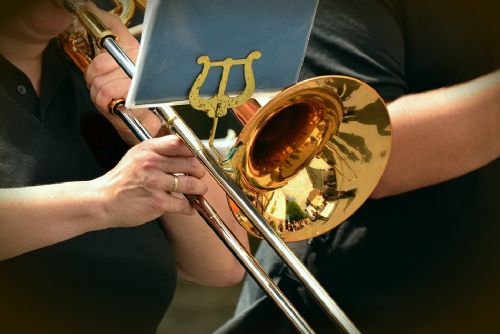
[(134, 192), (201, 256), (442, 134), (34, 217)]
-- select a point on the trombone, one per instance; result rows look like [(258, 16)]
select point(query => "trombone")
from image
[(327, 103)]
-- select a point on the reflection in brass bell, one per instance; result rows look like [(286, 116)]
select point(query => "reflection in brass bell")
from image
[(311, 156)]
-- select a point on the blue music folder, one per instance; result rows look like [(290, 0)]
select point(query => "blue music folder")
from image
[(177, 32)]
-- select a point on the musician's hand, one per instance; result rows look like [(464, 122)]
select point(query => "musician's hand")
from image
[(107, 81), (139, 188)]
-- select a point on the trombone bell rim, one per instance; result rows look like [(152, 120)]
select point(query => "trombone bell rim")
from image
[(328, 183)]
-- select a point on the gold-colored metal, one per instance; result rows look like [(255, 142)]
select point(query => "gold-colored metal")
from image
[(217, 105), (320, 107), (125, 10), (95, 28), (176, 183), (76, 42), (112, 107), (211, 139), (311, 156), (141, 4)]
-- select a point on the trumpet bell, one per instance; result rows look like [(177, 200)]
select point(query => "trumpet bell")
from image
[(312, 156)]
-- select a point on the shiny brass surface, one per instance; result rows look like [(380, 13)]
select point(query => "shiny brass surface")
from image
[(80, 43), (308, 159), (322, 112), (125, 10), (217, 105), (311, 156), (94, 27)]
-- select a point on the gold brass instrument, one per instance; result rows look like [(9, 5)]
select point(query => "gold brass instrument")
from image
[(80, 46), (302, 165), (312, 155)]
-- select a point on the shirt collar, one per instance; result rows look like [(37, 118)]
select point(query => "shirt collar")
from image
[(55, 70)]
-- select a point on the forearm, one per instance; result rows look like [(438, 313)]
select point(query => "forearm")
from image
[(442, 134), (132, 193), (35, 217), (200, 255)]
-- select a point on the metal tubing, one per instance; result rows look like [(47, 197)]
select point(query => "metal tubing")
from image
[(132, 123), (110, 44), (179, 127), (208, 213), (250, 264), (296, 266)]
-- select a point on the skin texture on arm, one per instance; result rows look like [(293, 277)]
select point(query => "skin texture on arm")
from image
[(200, 256), (442, 134), (35, 217), (134, 192), (107, 81)]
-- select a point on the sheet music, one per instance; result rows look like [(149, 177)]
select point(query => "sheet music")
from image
[(177, 32)]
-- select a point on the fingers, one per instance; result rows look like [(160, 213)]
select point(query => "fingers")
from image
[(104, 77), (142, 187), (185, 184), (166, 182), (172, 146), (104, 64), (159, 186), (169, 145), (182, 165), (166, 156), (102, 93), (178, 205)]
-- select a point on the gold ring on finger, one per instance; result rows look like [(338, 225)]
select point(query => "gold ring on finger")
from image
[(176, 183)]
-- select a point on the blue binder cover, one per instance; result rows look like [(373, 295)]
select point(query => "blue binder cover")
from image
[(177, 32)]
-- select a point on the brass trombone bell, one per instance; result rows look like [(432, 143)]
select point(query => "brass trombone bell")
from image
[(308, 159), (311, 156), (304, 162)]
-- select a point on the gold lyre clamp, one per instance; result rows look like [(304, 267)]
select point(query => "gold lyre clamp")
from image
[(217, 105)]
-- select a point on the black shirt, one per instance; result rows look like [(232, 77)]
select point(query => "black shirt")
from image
[(425, 261), (110, 281), (422, 262)]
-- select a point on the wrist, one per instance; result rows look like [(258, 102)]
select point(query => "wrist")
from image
[(95, 210)]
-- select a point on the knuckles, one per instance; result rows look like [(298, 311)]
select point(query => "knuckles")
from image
[(145, 159), (101, 64), (159, 202), (106, 93)]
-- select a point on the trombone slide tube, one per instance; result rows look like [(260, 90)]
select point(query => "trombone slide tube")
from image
[(208, 213), (296, 266), (132, 123), (249, 262), (108, 41)]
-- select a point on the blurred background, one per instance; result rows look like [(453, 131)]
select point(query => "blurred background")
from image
[(198, 310)]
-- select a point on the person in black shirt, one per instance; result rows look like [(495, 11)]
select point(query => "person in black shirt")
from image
[(76, 253), (422, 255)]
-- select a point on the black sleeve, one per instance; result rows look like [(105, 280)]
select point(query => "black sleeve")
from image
[(361, 39)]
